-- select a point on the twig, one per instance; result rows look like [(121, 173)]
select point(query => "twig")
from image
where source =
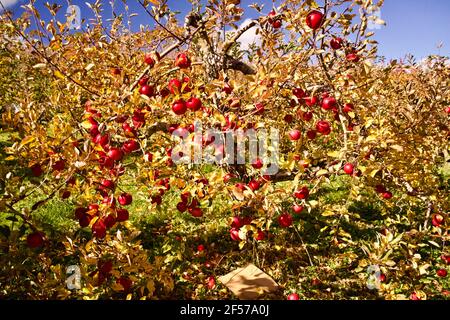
[(159, 23), (46, 58), (162, 55), (306, 249)]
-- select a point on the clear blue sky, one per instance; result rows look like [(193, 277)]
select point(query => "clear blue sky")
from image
[(413, 26)]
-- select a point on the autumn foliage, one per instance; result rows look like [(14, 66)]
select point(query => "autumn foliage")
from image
[(89, 118)]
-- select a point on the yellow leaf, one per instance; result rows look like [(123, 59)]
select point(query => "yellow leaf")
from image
[(328, 213), (374, 172), (26, 140), (150, 286), (39, 65), (86, 124), (58, 74), (397, 147), (321, 172), (238, 193), (371, 138), (334, 154)]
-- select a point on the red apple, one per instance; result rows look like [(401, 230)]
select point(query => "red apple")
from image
[(196, 212), (110, 221), (329, 103), (228, 177), (258, 164), (311, 134), (125, 199), (441, 273), (297, 208), (35, 239), (109, 201), (446, 258), (234, 233), (254, 185), (175, 86), (147, 90), (148, 59), (261, 235), (348, 168), (237, 222), (271, 15), (348, 107), (293, 296), (126, 283), (122, 215), (307, 116), (37, 170), (182, 206), (101, 139), (240, 186), (130, 146), (99, 229), (194, 104), (323, 127), (285, 220), (352, 57), (277, 24), (211, 282), (115, 154), (185, 196), (437, 220), (259, 108), (311, 101), (227, 88), (295, 135), (414, 296), (129, 131), (314, 19), (108, 184), (387, 195), (200, 248), (59, 165), (299, 93), (288, 118), (336, 43), (182, 61), (302, 194), (179, 107), (143, 81)]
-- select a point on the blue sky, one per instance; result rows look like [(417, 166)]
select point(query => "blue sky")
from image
[(413, 26)]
